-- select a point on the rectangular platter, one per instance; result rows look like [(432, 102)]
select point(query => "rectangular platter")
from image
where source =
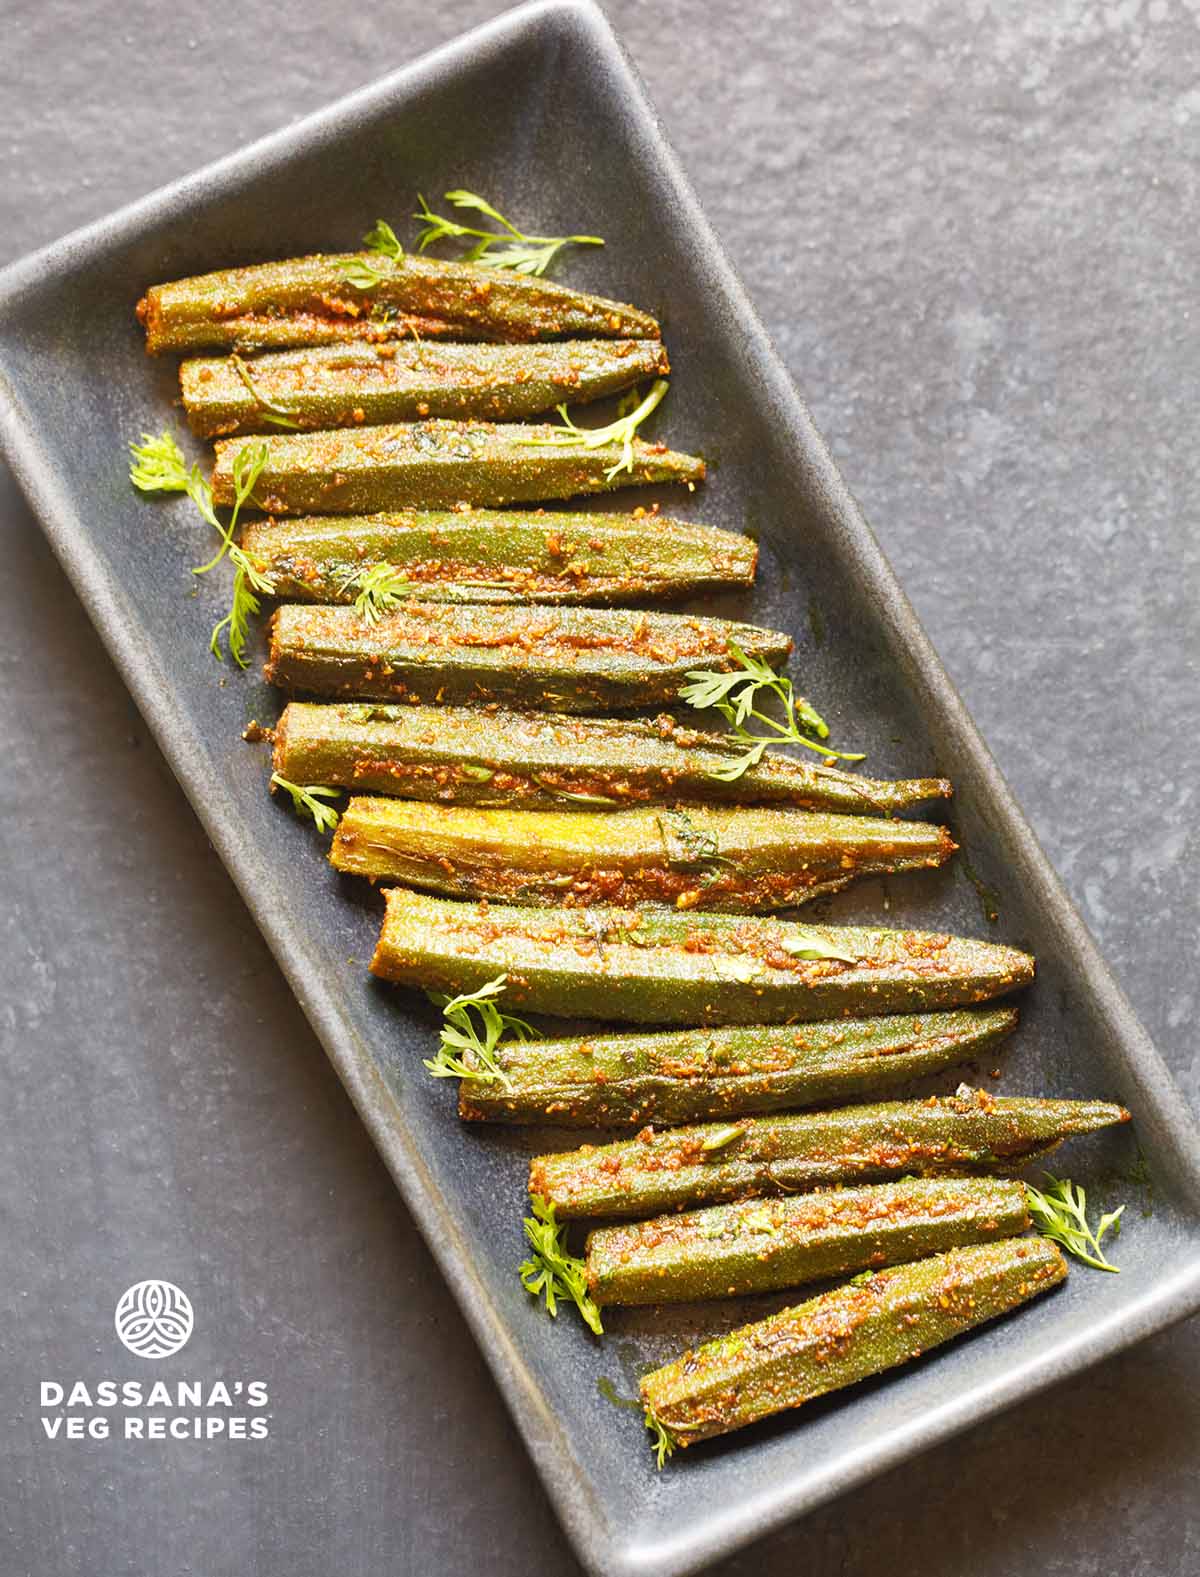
[(541, 111)]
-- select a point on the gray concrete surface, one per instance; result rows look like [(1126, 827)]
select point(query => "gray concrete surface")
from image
[(970, 227)]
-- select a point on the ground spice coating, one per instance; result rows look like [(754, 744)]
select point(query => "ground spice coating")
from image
[(761, 1245), (312, 301), (734, 859), (483, 555), (845, 1335), (560, 659), (671, 1168), (653, 967), (439, 465), (489, 756), (688, 1076), (350, 385)]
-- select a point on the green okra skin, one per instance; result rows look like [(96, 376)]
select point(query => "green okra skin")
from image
[(537, 761), (484, 555), (311, 301), (648, 966), (438, 465), (555, 659), (761, 1245), (349, 385), (737, 859), (672, 1168), (845, 1335), (689, 1076)]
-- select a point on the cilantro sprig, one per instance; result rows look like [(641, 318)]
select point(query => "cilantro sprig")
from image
[(381, 249), (158, 466), (507, 247), (736, 695), (270, 411), (383, 241), (552, 1271), (621, 431), (1060, 1212), (662, 1441), (380, 587), (472, 1030), (308, 799)]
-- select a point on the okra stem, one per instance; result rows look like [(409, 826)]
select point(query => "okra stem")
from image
[(501, 555), (312, 301), (557, 659), (845, 1335), (439, 465), (761, 1245), (687, 1076), (735, 859), (970, 1131), (349, 385), (472, 756), (649, 967)]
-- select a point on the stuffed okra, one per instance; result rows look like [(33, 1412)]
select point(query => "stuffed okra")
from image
[(534, 761), (559, 659), (734, 858), (315, 301), (686, 1076), (970, 1131), (348, 385), (760, 1245), (855, 1331), (651, 967), (500, 555), (440, 465)]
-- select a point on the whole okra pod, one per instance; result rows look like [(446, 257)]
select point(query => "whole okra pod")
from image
[(688, 1076), (536, 761), (846, 1335), (649, 967), (483, 555), (671, 1168), (761, 1245), (559, 659), (737, 859), (439, 465), (348, 385), (313, 301)]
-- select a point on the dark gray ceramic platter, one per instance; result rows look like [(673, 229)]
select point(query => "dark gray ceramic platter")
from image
[(541, 111)]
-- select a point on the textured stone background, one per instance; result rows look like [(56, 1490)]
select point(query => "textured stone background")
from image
[(971, 229)]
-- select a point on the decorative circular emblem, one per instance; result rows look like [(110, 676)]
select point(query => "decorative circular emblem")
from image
[(154, 1319)]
